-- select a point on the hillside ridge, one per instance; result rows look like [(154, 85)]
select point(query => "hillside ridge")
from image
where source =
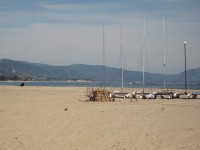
[(22, 70)]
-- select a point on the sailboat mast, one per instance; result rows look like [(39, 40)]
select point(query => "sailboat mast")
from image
[(164, 53), (104, 58), (122, 60), (185, 67), (143, 54)]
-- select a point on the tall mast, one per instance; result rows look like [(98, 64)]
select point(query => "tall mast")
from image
[(143, 55), (164, 53), (122, 60), (104, 58), (185, 66)]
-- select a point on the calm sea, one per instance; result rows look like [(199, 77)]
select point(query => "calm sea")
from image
[(96, 84)]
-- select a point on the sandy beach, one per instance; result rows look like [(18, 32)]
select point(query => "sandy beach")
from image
[(57, 118)]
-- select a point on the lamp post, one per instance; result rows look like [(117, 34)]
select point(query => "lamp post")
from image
[(185, 67)]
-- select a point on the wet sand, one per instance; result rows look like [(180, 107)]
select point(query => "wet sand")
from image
[(57, 118)]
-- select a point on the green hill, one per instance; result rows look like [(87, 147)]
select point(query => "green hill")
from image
[(20, 70)]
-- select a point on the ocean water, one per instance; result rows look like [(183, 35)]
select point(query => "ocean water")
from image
[(49, 83), (96, 84)]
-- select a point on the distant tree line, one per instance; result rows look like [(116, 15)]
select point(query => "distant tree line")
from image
[(24, 78), (5, 78)]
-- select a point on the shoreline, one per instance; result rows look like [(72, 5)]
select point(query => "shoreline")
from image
[(83, 83), (126, 89), (49, 81)]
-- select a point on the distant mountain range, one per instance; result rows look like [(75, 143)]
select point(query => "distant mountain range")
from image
[(20, 70)]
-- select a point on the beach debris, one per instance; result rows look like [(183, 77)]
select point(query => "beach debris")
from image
[(65, 109), (99, 94)]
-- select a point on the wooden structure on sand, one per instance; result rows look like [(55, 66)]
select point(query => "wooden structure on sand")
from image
[(99, 94)]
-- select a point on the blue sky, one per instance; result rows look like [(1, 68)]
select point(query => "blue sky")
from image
[(64, 32)]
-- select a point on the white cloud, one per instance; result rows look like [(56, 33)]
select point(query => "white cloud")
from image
[(81, 7)]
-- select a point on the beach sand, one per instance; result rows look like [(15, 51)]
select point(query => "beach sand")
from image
[(57, 118)]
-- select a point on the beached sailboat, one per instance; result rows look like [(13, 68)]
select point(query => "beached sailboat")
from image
[(164, 53), (165, 93), (142, 94), (122, 94)]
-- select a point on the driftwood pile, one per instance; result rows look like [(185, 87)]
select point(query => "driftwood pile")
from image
[(99, 94)]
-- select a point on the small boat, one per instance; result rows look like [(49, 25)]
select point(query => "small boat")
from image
[(118, 94), (163, 95), (194, 95), (140, 95)]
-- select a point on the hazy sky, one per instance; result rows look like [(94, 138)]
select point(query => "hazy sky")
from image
[(64, 32)]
